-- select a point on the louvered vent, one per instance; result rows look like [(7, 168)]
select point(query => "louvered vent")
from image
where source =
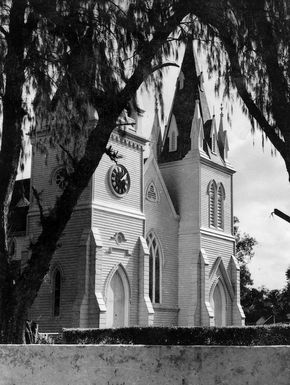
[(212, 205), (220, 208)]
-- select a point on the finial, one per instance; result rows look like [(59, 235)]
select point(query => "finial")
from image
[(213, 111), (222, 108)]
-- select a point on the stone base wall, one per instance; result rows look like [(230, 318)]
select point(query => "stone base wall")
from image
[(143, 365)]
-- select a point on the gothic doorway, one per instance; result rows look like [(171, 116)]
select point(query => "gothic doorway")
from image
[(117, 300), (218, 303)]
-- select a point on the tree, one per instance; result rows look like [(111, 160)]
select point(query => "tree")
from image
[(271, 305), (80, 56), (255, 36), (244, 253), (77, 57)]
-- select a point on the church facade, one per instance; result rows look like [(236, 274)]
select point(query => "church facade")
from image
[(150, 241)]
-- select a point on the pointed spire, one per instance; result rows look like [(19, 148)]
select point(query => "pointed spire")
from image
[(223, 137), (213, 135), (221, 126), (156, 137), (189, 88)]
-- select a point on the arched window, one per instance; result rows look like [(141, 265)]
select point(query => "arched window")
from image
[(154, 269), (220, 206), (56, 292), (212, 203)]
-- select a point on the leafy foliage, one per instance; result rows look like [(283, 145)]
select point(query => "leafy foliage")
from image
[(71, 70), (244, 253), (271, 305), (239, 336)]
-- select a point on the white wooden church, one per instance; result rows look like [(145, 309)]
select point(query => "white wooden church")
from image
[(150, 241)]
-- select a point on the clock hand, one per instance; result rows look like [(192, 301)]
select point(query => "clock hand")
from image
[(123, 177)]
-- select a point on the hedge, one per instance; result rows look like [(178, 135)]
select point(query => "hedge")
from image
[(238, 336)]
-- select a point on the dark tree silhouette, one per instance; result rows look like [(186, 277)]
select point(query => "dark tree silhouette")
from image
[(79, 57)]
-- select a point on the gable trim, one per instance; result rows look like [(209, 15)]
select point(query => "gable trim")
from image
[(219, 265), (152, 160)]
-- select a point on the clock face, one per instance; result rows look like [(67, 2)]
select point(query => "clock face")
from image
[(119, 180)]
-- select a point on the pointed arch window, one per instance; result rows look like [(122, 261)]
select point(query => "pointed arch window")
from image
[(212, 188), (216, 198), (220, 206), (56, 292), (155, 272)]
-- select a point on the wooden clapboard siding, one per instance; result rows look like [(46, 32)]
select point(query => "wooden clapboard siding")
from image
[(183, 181), (162, 220), (165, 316), (42, 171), (108, 225), (217, 247), (132, 159), (67, 258), (188, 280)]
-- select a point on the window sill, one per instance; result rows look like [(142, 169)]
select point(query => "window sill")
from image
[(216, 228), (163, 308)]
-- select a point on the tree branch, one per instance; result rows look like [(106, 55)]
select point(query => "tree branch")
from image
[(4, 32), (72, 159), (37, 196), (160, 66), (112, 154)]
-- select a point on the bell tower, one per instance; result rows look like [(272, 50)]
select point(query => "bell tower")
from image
[(194, 165)]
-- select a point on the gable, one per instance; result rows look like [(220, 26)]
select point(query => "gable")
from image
[(218, 271), (155, 186)]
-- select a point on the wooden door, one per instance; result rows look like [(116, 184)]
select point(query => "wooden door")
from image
[(116, 302)]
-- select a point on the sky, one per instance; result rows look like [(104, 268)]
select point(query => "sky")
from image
[(260, 184)]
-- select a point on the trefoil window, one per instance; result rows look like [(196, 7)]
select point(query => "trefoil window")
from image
[(151, 193)]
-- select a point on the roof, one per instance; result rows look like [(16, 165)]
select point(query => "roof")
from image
[(189, 88), (19, 206)]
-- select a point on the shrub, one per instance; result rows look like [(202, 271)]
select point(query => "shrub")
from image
[(239, 336)]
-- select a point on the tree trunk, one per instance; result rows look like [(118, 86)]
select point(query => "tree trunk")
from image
[(13, 316), (10, 152), (18, 293)]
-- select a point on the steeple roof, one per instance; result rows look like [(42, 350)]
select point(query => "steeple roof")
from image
[(156, 137), (189, 88)]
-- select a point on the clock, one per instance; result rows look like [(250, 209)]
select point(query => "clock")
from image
[(119, 180)]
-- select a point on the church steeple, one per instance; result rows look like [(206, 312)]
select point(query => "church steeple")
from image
[(189, 89)]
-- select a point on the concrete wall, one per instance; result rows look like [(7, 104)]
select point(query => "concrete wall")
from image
[(143, 365)]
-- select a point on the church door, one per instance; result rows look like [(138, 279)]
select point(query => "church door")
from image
[(219, 305), (116, 302)]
